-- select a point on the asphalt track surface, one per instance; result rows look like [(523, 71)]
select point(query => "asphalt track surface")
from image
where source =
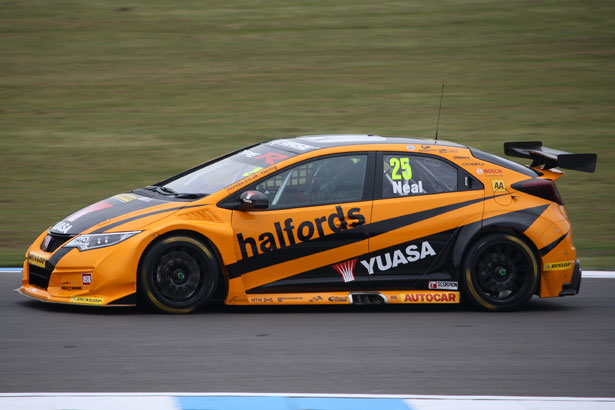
[(556, 347)]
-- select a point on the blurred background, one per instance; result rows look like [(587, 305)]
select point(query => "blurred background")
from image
[(101, 97)]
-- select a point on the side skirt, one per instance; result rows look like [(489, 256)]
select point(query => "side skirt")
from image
[(348, 298)]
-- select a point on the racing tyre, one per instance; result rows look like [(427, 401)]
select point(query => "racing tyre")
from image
[(178, 274), (500, 272)]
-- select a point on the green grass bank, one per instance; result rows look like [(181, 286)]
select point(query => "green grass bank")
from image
[(100, 97)]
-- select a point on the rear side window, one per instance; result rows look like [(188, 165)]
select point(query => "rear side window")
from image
[(503, 162), (408, 175)]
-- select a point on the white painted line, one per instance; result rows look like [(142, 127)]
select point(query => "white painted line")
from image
[(177, 401), (601, 274), (505, 404), (11, 270), (94, 402)]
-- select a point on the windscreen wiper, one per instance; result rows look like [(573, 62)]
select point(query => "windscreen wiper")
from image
[(162, 190), (188, 195)]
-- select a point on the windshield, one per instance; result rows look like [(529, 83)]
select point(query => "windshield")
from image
[(213, 176)]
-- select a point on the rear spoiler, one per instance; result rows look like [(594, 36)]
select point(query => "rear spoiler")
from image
[(550, 158)]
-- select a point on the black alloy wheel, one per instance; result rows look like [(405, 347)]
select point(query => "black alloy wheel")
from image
[(178, 274), (500, 272)]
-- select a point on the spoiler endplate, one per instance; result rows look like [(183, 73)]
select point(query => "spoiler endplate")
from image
[(550, 158)]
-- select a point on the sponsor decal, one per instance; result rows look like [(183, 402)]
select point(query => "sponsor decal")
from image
[(292, 145), (461, 157), (346, 269), (87, 300), (86, 279), (249, 154), (498, 185), (124, 197), (559, 265), (410, 147), (253, 171), (261, 300), (406, 188), (382, 263), (237, 300), (446, 285), (430, 297), (337, 299), (251, 178), (489, 171), (69, 288), (427, 148), (62, 227), (37, 259), (290, 298), (447, 150), (289, 233), (473, 164), (272, 157), (316, 299)]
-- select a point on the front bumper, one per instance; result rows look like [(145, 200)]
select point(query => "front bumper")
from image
[(572, 288), (97, 277)]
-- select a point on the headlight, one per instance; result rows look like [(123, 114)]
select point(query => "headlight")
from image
[(100, 240)]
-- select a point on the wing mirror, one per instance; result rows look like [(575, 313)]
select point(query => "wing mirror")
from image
[(250, 200)]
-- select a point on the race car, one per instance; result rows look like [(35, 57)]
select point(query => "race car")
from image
[(323, 219)]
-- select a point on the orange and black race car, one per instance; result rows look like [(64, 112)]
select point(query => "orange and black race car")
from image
[(332, 219)]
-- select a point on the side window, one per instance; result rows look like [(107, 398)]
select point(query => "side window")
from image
[(406, 175), (323, 181)]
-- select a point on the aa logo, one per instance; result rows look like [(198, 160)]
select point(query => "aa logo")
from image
[(498, 185)]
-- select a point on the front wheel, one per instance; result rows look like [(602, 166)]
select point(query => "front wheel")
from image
[(178, 274), (500, 272)]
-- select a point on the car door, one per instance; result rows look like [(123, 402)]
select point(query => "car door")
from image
[(420, 203), (315, 227)]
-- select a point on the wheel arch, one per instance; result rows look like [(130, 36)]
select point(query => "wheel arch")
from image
[(471, 233), (222, 287)]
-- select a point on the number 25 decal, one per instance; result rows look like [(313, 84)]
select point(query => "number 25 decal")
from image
[(404, 164)]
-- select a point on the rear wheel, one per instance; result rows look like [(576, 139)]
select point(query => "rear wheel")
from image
[(500, 272), (178, 274)]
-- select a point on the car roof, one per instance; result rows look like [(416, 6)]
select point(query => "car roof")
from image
[(314, 142)]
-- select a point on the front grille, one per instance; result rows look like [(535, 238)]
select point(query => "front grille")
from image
[(53, 241), (38, 276)]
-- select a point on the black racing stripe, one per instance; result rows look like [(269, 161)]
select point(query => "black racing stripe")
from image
[(387, 225), (126, 220), (553, 244), (327, 242), (521, 219), (326, 279), (59, 254), (343, 238)]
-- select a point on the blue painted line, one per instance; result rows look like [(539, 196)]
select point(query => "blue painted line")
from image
[(11, 269), (348, 404), (287, 403), (231, 403)]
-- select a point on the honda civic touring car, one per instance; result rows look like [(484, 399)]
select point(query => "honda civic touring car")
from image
[(324, 219)]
